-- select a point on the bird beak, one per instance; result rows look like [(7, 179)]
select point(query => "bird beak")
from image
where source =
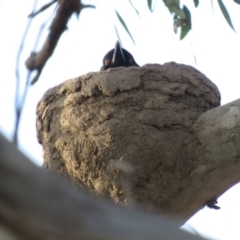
[(118, 53)]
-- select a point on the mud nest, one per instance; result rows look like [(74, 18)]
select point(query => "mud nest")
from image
[(125, 133)]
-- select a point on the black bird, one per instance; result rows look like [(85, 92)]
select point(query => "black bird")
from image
[(118, 57)]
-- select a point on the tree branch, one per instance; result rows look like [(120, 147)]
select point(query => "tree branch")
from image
[(36, 205), (37, 61)]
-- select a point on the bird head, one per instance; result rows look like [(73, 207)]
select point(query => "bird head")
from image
[(118, 57)]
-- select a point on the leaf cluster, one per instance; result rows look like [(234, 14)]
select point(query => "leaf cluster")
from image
[(181, 15)]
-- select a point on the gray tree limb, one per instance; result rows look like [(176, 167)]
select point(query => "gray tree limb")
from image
[(36, 205)]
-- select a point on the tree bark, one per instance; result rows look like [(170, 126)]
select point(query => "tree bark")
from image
[(36, 205), (152, 137)]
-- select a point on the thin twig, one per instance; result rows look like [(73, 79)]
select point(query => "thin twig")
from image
[(37, 41), (19, 109), (33, 14), (20, 106), (18, 77), (134, 8)]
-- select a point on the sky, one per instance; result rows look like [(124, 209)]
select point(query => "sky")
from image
[(82, 47)]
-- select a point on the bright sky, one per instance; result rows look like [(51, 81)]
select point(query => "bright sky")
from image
[(82, 47)]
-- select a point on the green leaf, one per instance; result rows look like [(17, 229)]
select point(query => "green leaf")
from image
[(134, 8), (186, 23), (149, 5), (124, 25), (225, 14), (196, 2), (237, 1), (174, 7)]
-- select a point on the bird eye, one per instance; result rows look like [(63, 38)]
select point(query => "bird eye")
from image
[(106, 62)]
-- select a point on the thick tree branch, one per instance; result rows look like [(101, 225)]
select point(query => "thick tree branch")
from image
[(36, 205), (66, 8)]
